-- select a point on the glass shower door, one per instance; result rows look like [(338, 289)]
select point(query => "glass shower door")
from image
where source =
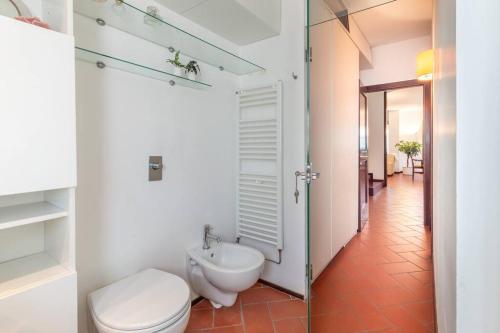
[(320, 13)]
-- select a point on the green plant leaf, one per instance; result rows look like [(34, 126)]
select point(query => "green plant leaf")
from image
[(410, 148)]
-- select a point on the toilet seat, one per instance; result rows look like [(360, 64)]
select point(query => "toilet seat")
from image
[(148, 302)]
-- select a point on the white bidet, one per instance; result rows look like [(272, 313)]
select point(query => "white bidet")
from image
[(222, 271)]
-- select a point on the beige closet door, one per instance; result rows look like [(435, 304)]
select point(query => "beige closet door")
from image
[(334, 142), (344, 137), (321, 152)]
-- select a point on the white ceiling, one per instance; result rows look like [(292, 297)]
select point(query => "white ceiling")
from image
[(381, 21), (240, 21), (395, 21), (407, 99)]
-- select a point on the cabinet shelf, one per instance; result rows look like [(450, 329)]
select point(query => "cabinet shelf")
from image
[(103, 60), (128, 18), (26, 272), (18, 215)]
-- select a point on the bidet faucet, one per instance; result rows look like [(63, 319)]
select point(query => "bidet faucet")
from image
[(207, 236)]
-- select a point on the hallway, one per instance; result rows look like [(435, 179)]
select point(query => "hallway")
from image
[(382, 281)]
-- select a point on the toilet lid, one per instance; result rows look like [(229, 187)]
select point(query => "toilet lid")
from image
[(149, 298)]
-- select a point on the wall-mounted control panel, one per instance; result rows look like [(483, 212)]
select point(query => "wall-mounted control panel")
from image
[(155, 168)]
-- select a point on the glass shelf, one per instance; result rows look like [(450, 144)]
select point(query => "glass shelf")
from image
[(128, 18), (102, 61)]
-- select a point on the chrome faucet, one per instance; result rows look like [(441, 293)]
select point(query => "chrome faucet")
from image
[(207, 236)]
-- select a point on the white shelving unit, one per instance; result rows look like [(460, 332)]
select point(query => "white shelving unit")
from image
[(38, 172), (37, 261), (18, 215), (27, 272)]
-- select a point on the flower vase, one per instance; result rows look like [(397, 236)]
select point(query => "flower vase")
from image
[(177, 71)]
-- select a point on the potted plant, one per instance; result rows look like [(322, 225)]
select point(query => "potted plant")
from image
[(192, 70), (176, 63), (410, 149)]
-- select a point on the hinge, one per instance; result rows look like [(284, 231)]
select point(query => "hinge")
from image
[(308, 55), (309, 271)]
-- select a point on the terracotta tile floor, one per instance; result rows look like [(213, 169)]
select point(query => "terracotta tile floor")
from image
[(260, 309), (381, 282)]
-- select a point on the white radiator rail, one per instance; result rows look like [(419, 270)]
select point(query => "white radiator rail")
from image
[(260, 158)]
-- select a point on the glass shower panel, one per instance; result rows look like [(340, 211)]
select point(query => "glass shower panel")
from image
[(321, 13)]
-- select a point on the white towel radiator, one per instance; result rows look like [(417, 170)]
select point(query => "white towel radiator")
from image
[(260, 158)]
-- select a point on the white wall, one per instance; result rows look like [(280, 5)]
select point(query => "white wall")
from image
[(125, 223), (282, 56), (410, 125), (376, 133), (466, 128), (393, 138), (395, 62), (478, 191)]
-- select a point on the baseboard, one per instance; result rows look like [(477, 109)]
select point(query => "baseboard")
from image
[(286, 291), (375, 186), (269, 284), (197, 300)]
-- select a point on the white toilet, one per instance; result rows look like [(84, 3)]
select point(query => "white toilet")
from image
[(151, 301)]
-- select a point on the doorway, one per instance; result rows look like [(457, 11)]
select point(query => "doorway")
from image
[(425, 160), (364, 179)]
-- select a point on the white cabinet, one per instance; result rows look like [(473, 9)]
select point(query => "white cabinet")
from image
[(50, 308), (37, 262), (37, 109), (37, 176)]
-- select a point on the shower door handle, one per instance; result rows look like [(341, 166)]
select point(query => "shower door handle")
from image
[(308, 175)]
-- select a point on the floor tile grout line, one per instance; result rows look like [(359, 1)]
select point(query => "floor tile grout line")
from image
[(270, 317), (242, 317), (213, 318)]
